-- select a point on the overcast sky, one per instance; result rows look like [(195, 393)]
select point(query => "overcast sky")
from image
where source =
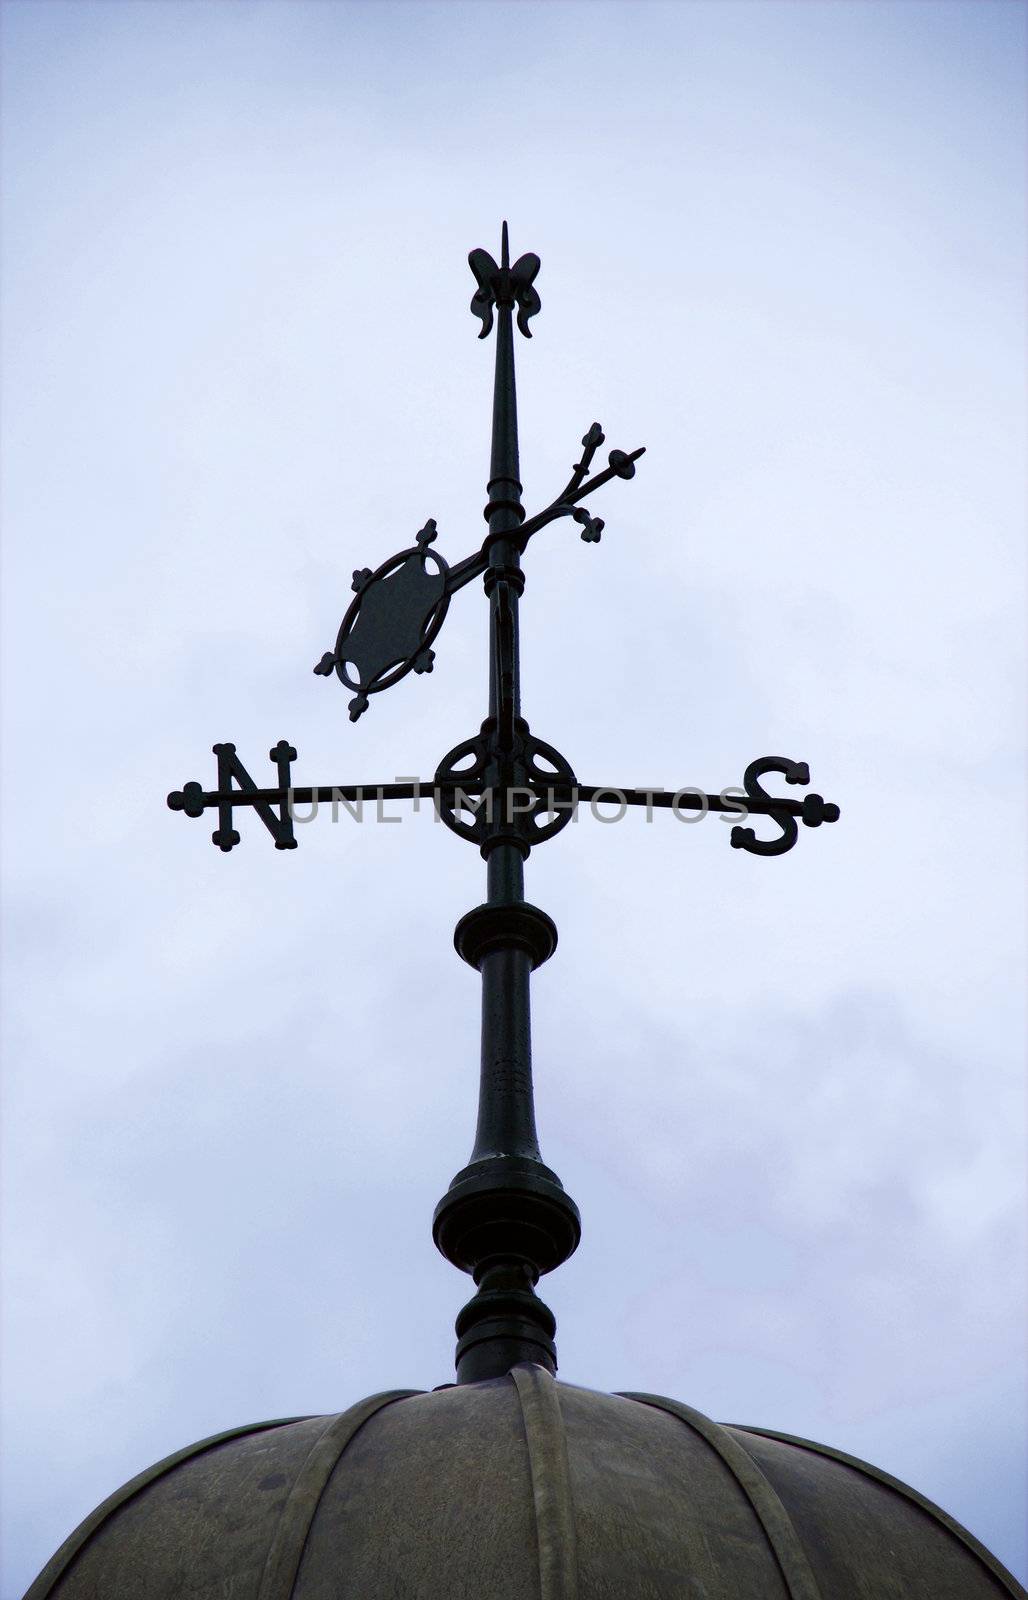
[(783, 247)]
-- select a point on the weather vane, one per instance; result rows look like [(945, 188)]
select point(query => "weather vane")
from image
[(506, 1218)]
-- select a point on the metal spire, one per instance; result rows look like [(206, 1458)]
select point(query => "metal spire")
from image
[(505, 1218)]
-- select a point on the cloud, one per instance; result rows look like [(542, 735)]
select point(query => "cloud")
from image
[(780, 249)]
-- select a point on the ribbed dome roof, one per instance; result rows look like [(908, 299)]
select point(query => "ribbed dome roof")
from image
[(518, 1488)]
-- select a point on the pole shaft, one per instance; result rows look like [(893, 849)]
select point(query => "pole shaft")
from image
[(506, 1114), (505, 1218)]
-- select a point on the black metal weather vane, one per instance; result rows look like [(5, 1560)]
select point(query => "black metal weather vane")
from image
[(506, 1218)]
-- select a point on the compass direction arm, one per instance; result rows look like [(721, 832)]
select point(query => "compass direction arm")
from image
[(193, 799), (230, 769), (812, 810), (752, 800), (447, 791), (688, 798), (531, 798)]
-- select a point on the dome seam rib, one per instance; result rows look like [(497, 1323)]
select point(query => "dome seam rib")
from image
[(86, 1530), (774, 1519), (285, 1553), (960, 1533), (546, 1437)]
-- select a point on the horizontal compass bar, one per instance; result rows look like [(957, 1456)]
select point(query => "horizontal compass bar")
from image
[(685, 799)]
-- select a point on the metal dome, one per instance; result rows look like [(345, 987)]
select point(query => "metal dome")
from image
[(517, 1488)]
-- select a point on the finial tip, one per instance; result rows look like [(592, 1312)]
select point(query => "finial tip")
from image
[(505, 256)]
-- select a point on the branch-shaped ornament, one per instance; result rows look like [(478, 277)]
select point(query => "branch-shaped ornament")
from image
[(620, 464)]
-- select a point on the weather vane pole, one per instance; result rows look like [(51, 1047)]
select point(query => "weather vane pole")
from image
[(506, 1218)]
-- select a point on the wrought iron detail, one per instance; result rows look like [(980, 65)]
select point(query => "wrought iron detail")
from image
[(505, 786), (399, 609), (519, 926), (193, 800), (514, 1209), (462, 786), (813, 811), (505, 1218), (504, 285), (389, 627)]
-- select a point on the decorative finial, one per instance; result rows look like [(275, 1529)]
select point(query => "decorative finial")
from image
[(504, 286)]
